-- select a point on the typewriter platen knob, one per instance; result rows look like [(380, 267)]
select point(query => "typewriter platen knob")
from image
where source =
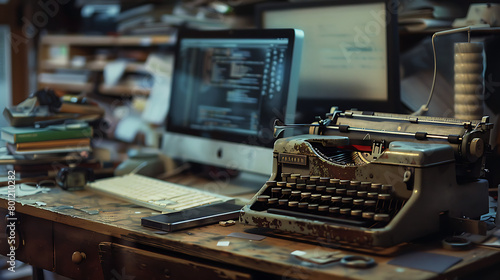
[(477, 147)]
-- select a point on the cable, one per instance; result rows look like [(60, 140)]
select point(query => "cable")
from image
[(424, 108)]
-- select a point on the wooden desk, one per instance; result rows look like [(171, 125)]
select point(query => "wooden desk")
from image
[(117, 246)]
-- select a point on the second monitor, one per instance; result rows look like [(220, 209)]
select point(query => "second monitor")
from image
[(350, 54), (227, 89)]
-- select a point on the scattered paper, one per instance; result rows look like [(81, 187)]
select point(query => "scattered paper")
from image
[(113, 71), (23, 190), (223, 243), (127, 128), (298, 253), (318, 256), (159, 98)]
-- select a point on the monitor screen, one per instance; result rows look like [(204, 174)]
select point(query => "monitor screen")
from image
[(350, 53), (228, 87)]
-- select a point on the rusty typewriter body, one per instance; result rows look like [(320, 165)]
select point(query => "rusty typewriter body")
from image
[(374, 180)]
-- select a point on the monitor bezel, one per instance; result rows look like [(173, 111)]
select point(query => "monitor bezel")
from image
[(308, 108), (287, 114)]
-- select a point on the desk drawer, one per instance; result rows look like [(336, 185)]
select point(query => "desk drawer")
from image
[(34, 237), (77, 252), (123, 262)]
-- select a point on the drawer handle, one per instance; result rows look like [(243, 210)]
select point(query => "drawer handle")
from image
[(78, 257)]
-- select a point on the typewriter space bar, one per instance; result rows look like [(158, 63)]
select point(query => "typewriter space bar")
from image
[(317, 217)]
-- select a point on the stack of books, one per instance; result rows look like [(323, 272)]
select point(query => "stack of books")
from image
[(41, 152), (49, 140)]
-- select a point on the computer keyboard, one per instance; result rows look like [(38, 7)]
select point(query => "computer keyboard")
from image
[(155, 194)]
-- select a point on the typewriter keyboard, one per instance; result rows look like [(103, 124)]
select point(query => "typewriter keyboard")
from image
[(355, 203)]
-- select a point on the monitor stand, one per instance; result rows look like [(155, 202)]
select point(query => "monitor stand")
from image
[(226, 182), (246, 182)]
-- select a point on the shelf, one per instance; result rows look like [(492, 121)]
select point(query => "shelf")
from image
[(118, 90), (59, 55), (93, 66), (123, 90), (68, 86), (83, 40)]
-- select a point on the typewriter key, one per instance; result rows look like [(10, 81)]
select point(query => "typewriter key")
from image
[(291, 185), (323, 209), (310, 187), (369, 205), (356, 214), (261, 203), (383, 203), (340, 191), (375, 187), (361, 194), (263, 198), (316, 198), (344, 184), (336, 201), (358, 204), (285, 193), (324, 180), (334, 211), (295, 195), (386, 189), (282, 203), (326, 199), (381, 219), (303, 206), (330, 190), (276, 192), (321, 189), (271, 183), (293, 178), (351, 193), (372, 195), (305, 196), (314, 179), (365, 186), (334, 182), (345, 212), (281, 184), (368, 216), (346, 202), (305, 177), (355, 185), (272, 202), (301, 187), (292, 205), (284, 176), (312, 208)]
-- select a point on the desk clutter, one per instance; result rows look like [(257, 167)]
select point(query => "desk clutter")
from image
[(48, 135)]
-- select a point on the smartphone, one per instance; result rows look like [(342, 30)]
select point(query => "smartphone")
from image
[(198, 216)]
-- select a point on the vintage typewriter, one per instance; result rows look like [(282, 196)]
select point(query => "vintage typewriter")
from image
[(369, 179)]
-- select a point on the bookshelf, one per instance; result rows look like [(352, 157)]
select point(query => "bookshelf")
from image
[(76, 63)]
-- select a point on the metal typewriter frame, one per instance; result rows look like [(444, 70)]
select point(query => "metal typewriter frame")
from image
[(421, 169)]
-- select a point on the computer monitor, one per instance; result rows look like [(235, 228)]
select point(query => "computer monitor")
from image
[(350, 53), (227, 89)]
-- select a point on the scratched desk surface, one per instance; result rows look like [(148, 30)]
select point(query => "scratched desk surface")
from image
[(271, 255)]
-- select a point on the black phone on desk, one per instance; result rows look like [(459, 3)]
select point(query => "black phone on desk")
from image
[(198, 216)]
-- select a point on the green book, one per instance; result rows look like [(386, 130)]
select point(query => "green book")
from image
[(29, 134)]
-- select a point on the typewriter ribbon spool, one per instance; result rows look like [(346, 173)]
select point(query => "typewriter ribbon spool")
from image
[(469, 81)]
